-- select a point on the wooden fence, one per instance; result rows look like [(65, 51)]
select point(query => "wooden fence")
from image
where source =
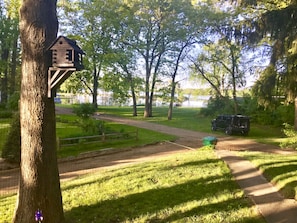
[(98, 138)]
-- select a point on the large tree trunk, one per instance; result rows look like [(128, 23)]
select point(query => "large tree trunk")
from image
[(39, 186)]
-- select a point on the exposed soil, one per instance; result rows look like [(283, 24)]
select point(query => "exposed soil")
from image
[(94, 161)]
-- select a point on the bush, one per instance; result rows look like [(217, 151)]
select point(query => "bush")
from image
[(92, 126), (12, 147), (291, 141), (84, 110), (217, 106), (13, 101), (285, 114), (6, 114)]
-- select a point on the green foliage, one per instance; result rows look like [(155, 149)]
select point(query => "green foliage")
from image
[(88, 125), (118, 84), (13, 101), (6, 114), (277, 116), (291, 140), (93, 127), (218, 105), (12, 147), (281, 113), (84, 110)]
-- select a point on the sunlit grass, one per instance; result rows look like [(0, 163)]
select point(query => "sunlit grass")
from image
[(187, 187), (145, 137), (281, 170), (191, 187)]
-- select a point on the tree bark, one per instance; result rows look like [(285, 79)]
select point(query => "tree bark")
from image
[(39, 186), (172, 95)]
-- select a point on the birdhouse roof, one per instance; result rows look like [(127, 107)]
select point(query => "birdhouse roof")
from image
[(71, 42)]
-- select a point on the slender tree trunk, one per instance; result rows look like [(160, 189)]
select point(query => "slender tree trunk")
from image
[(95, 93), (134, 99), (39, 186), (146, 113), (132, 87), (4, 80), (234, 90), (170, 109), (13, 66)]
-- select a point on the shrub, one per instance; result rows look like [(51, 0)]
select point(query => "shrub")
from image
[(84, 110), (285, 114), (6, 114), (92, 126), (291, 141), (12, 147), (217, 106), (13, 101)]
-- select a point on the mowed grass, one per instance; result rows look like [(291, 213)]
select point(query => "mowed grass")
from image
[(187, 118), (191, 119), (144, 137), (187, 187), (279, 169), (190, 187)]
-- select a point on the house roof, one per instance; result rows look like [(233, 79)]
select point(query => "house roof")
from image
[(71, 42)]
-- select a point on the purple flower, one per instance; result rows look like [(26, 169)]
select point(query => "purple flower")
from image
[(38, 216)]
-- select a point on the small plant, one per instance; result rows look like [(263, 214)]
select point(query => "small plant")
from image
[(291, 133), (85, 110), (92, 126)]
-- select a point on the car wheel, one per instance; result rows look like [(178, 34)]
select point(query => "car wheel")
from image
[(245, 133), (213, 128), (228, 131)]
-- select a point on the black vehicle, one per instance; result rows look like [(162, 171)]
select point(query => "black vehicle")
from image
[(231, 124)]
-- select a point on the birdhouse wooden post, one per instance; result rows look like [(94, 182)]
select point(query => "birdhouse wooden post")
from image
[(67, 57)]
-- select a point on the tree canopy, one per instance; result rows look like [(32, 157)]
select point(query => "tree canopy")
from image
[(134, 48)]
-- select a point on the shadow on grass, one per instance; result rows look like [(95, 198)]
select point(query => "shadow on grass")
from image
[(284, 171), (280, 171), (167, 204)]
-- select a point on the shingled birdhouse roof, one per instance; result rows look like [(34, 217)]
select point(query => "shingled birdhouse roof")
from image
[(70, 42)]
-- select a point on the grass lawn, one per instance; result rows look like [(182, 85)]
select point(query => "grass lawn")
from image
[(189, 187), (66, 128), (281, 170), (189, 118), (145, 137)]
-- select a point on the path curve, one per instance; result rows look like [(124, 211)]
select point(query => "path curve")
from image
[(270, 203)]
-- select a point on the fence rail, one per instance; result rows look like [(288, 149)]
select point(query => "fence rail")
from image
[(98, 138)]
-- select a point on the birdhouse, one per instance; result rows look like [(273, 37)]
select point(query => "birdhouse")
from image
[(67, 57), (66, 53)]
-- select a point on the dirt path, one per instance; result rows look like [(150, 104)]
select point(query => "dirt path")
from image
[(86, 163)]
